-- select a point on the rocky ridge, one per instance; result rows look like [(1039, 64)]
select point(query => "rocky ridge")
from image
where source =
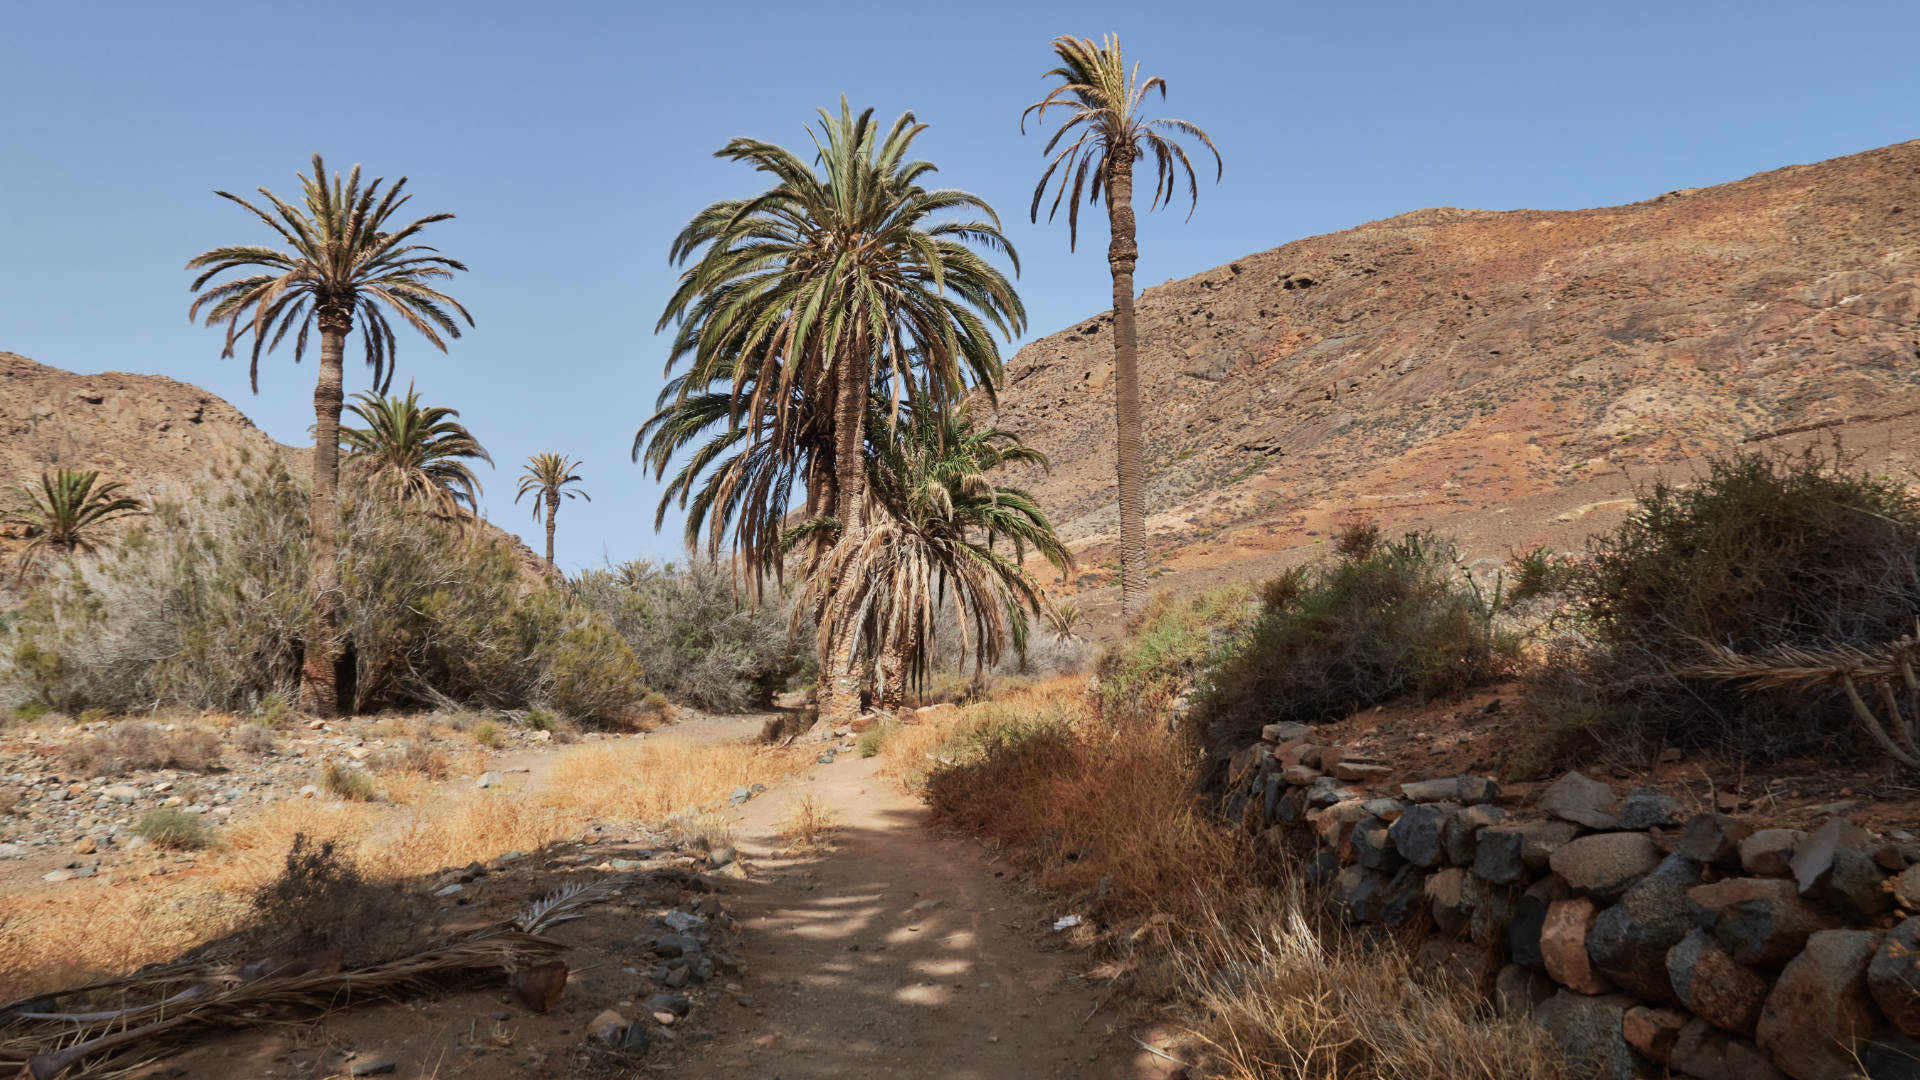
[(1448, 365)]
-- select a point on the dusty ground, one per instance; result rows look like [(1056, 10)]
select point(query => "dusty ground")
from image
[(893, 951)]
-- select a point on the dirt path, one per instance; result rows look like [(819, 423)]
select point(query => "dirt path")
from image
[(897, 953)]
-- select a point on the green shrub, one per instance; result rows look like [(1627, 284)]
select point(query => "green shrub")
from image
[(871, 740), (274, 710), (707, 643), (1396, 618), (1763, 552), (1141, 674), (1537, 574), (173, 828)]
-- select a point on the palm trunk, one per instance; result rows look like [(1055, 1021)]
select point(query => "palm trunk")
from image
[(893, 676), (553, 507), (840, 675), (1130, 445), (319, 678)]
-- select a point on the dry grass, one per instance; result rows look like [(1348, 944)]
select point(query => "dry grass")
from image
[(809, 828), (135, 745), (54, 936), (1275, 996), (1107, 816)]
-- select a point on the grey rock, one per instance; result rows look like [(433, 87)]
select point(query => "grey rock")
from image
[(682, 921), (1492, 914), (450, 890), (1327, 791), (1417, 834), (1761, 922), (1854, 887), (1700, 1051), (1517, 990), (677, 1004), (1498, 854), (1358, 894), (671, 945), (740, 795), (1812, 860), (1403, 903), (376, 1067), (1893, 977), (1647, 808), (1285, 732), (1588, 1030), (1452, 894), (1581, 799), (1540, 839), (1372, 846), (1390, 810), (1605, 865), (1460, 789), (1714, 840), (720, 856), (1323, 866), (1890, 1056), (489, 779), (1769, 852), (1459, 834), (678, 977), (12, 851), (1629, 941)]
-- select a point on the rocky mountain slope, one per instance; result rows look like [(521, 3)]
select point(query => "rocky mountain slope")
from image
[(1508, 376)]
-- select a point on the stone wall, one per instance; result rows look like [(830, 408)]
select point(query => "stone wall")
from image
[(1648, 941)]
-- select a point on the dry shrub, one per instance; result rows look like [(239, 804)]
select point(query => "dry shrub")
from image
[(65, 933), (486, 733), (1081, 802), (809, 827), (1275, 996), (787, 724), (347, 782), (137, 745), (417, 756), (256, 739)]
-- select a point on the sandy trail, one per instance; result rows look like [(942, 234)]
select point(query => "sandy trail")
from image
[(898, 953)]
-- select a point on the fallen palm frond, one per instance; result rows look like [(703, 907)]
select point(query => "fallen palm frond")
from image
[(1848, 667), (43, 1042)]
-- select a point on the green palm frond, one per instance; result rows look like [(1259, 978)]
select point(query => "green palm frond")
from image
[(67, 513), (1103, 101), (548, 478), (421, 450), (845, 270), (346, 258)]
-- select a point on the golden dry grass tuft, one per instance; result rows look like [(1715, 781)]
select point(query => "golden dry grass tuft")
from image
[(809, 827), (1273, 995), (1106, 815), (52, 937)]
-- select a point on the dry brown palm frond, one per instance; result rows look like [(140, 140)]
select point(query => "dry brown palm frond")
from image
[(1847, 666), (46, 1042)]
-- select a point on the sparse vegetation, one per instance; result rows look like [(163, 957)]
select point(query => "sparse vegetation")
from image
[(347, 782), (138, 745), (1143, 673), (809, 827)]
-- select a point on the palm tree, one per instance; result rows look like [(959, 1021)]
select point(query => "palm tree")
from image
[(346, 258), (937, 519), (834, 279), (66, 513), (1103, 100), (546, 479), (420, 450)]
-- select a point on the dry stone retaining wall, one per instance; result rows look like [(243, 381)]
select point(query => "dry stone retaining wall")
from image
[(1648, 941)]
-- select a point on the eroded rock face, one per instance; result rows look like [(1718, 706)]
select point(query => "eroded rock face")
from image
[(1819, 1008)]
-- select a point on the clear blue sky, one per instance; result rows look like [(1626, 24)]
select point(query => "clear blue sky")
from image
[(573, 140)]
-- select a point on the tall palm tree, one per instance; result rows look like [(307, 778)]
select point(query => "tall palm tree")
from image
[(834, 279), (1102, 100), (346, 258), (546, 479), (421, 450), (66, 514)]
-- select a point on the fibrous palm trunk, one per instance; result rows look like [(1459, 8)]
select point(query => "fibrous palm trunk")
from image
[(1130, 446), (553, 507), (893, 675), (319, 678), (840, 670)]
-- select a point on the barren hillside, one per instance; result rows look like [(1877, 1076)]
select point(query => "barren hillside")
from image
[(1507, 376)]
